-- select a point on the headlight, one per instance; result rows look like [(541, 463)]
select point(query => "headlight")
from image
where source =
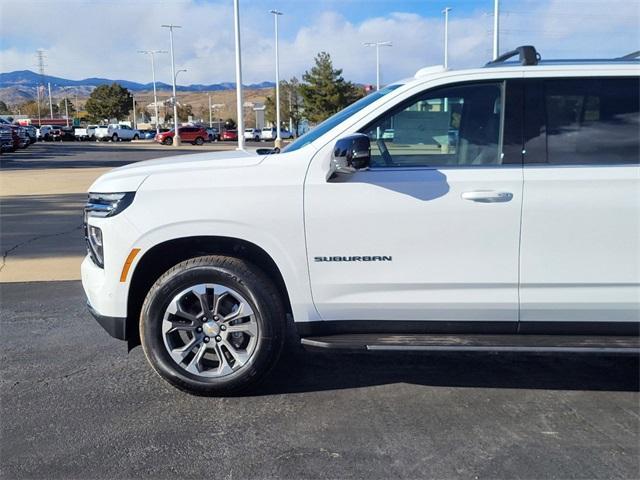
[(102, 205), (107, 204)]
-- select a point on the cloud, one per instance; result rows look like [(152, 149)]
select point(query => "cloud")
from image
[(86, 38)]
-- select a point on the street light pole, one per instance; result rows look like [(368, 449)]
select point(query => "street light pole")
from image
[(176, 136), (152, 54), (278, 143), (66, 109), (378, 45), (50, 102), (134, 112), (210, 119), (239, 102), (496, 27), (39, 117), (446, 37)]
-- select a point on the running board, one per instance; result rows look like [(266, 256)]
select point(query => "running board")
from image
[(478, 343)]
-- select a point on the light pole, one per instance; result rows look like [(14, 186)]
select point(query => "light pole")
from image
[(39, 117), (278, 143), (496, 27), (236, 18), (152, 54), (446, 37), (50, 102), (175, 98), (378, 45), (210, 119), (66, 105), (133, 124), (176, 136)]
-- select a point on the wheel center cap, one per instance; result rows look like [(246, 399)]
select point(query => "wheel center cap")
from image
[(211, 328)]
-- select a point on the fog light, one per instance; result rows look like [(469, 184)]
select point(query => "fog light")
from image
[(95, 245)]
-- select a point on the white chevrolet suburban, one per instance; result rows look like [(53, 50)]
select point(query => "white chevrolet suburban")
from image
[(493, 209)]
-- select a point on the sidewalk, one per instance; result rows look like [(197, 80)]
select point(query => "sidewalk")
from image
[(41, 223)]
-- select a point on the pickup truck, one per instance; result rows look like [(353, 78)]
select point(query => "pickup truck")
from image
[(118, 132), (269, 134), (495, 220), (88, 133)]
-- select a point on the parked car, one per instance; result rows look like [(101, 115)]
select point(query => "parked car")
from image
[(32, 132), (230, 135), (101, 133), (50, 133), (252, 134), (270, 133), (20, 137), (67, 134), (6, 138), (88, 133), (117, 132), (518, 233), (147, 134), (194, 135), (214, 134)]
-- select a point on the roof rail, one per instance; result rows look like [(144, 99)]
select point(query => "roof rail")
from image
[(630, 56), (527, 56)]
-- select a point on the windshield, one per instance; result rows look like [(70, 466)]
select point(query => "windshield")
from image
[(338, 118)]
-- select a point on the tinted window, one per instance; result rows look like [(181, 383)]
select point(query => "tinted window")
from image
[(453, 126), (592, 121)]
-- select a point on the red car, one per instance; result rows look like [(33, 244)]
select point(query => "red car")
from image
[(195, 135), (229, 135)]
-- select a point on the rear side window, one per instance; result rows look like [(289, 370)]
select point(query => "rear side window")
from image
[(592, 121)]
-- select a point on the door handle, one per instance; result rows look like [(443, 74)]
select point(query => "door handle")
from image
[(487, 196)]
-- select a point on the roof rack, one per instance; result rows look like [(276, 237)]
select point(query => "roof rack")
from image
[(527, 56)]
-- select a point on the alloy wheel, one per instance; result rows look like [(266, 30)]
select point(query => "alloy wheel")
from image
[(210, 330)]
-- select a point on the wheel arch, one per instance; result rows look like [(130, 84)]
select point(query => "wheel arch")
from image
[(165, 255)]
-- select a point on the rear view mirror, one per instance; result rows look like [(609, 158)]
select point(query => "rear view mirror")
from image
[(351, 154)]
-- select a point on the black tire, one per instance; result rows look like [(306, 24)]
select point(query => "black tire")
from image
[(168, 141), (136, 137), (233, 273), (114, 137), (199, 141)]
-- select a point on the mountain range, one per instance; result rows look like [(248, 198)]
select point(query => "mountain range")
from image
[(21, 85)]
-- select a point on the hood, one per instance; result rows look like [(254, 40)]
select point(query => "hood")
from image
[(130, 177)]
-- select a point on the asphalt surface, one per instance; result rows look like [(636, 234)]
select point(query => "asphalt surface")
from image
[(75, 404), (102, 154), (41, 225)]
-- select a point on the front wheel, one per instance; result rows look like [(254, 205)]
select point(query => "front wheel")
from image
[(212, 325), (114, 138), (168, 141), (199, 141), (136, 137)]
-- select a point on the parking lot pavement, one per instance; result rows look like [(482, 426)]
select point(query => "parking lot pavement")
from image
[(74, 404), (42, 191)]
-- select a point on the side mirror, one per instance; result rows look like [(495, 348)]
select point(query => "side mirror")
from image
[(351, 154)]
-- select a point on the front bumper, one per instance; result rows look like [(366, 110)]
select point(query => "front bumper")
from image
[(115, 326)]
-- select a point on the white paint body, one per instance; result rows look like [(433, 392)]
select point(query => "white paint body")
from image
[(565, 248), (124, 132)]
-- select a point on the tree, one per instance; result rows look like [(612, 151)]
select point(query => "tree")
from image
[(290, 104), (30, 108), (184, 112), (70, 106), (4, 109), (325, 91), (109, 101), (230, 124)]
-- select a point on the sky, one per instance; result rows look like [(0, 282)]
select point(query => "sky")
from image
[(101, 39)]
